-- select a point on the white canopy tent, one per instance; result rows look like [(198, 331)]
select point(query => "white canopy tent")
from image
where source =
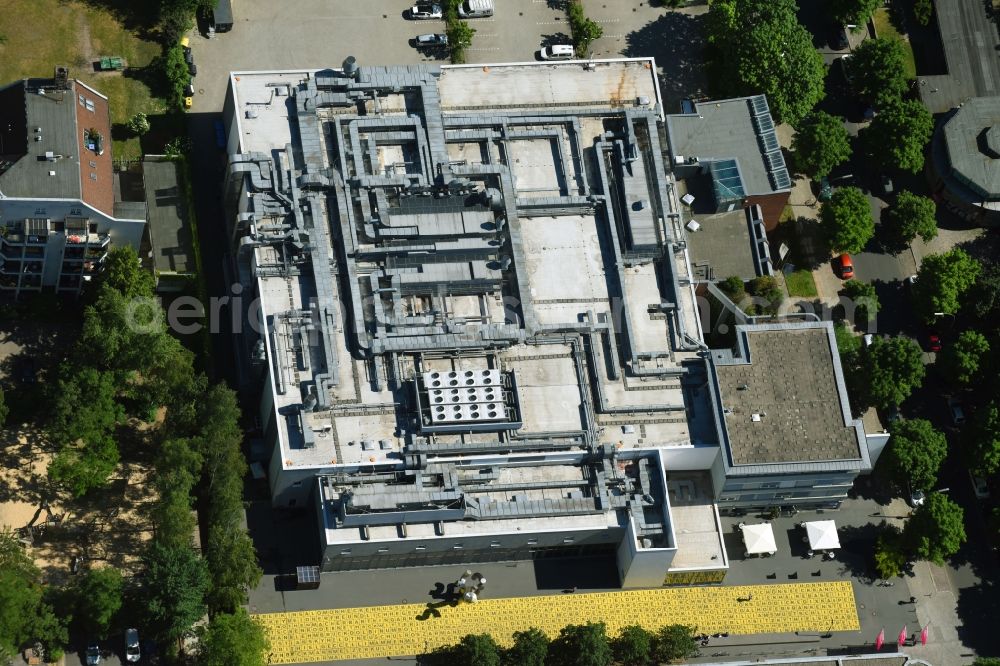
[(759, 539), (822, 535)]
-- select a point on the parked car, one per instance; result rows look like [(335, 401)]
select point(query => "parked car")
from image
[(844, 266), (979, 486), (933, 342), (475, 8), (869, 339), (132, 652), (26, 370), (825, 189), (93, 654), (425, 10), (430, 40), (956, 411), (838, 38), (557, 52), (917, 498)]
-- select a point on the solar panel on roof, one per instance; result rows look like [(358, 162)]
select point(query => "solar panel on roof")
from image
[(780, 180), (769, 142), (760, 105), (763, 123), (774, 160)]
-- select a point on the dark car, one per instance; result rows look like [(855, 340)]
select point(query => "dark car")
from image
[(933, 342), (431, 40), (26, 370), (838, 38)]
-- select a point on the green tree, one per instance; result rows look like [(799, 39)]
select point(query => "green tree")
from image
[(173, 590), (916, 451), (582, 645), (176, 74), (674, 641), (985, 301), (25, 614), (759, 46), (768, 296), (856, 12), (232, 638), (912, 215), (530, 648), (4, 410), (960, 361), (178, 467), (232, 563), (98, 598), (936, 530), (889, 556), (633, 646), (460, 36), (864, 299), (922, 11), (124, 273), (821, 142), (878, 71), (84, 386), (138, 125), (897, 136), (85, 467), (846, 219), (734, 288), (941, 281), (893, 367), (584, 30), (982, 443), (476, 650)]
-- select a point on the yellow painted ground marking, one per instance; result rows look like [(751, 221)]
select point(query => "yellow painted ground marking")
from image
[(383, 631)]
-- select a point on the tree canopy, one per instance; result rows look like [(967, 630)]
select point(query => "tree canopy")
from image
[(124, 273), (855, 12), (961, 360), (98, 598), (893, 367), (846, 219), (898, 134), (910, 216), (582, 645), (916, 451), (760, 47), (936, 530), (476, 649), (863, 298), (877, 68), (25, 614), (232, 638), (821, 142), (530, 648), (941, 281), (983, 441), (633, 646), (173, 589), (674, 641)]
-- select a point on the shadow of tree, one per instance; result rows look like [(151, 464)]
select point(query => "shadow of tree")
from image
[(142, 18), (677, 41)]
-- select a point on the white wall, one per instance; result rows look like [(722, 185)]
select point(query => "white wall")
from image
[(876, 444), (642, 567), (688, 458)]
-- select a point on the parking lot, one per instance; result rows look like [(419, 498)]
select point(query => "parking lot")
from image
[(319, 33)]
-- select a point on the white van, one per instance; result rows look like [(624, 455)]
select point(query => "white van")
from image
[(475, 8), (557, 52)]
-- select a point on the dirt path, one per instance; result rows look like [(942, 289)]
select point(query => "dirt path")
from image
[(86, 56)]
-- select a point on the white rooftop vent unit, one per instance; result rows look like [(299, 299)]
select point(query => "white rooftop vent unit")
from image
[(756, 418), (50, 156), (461, 379)]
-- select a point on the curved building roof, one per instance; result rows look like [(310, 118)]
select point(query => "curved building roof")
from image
[(972, 141)]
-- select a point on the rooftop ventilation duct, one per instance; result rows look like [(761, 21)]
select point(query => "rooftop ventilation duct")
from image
[(350, 67)]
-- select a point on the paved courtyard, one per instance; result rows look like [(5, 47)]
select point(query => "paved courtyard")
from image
[(379, 631)]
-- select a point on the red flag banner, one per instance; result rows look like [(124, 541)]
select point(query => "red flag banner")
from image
[(880, 639), (923, 635), (901, 640)]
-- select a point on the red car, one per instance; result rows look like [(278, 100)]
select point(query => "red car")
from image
[(934, 342), (844, 266)]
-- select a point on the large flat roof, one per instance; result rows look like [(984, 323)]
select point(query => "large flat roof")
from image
[(169, 231), (415, 231), (972, 141), (783, 398)]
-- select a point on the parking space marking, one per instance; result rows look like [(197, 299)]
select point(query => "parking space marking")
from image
[(550, 23), (409, 629)]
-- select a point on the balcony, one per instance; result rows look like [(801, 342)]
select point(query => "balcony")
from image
[(79, 238)]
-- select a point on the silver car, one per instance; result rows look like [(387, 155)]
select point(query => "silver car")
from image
[(132, 653), (93, 654)]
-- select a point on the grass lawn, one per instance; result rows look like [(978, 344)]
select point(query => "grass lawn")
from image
[(40, 34), (885, 28), (801, 283)]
